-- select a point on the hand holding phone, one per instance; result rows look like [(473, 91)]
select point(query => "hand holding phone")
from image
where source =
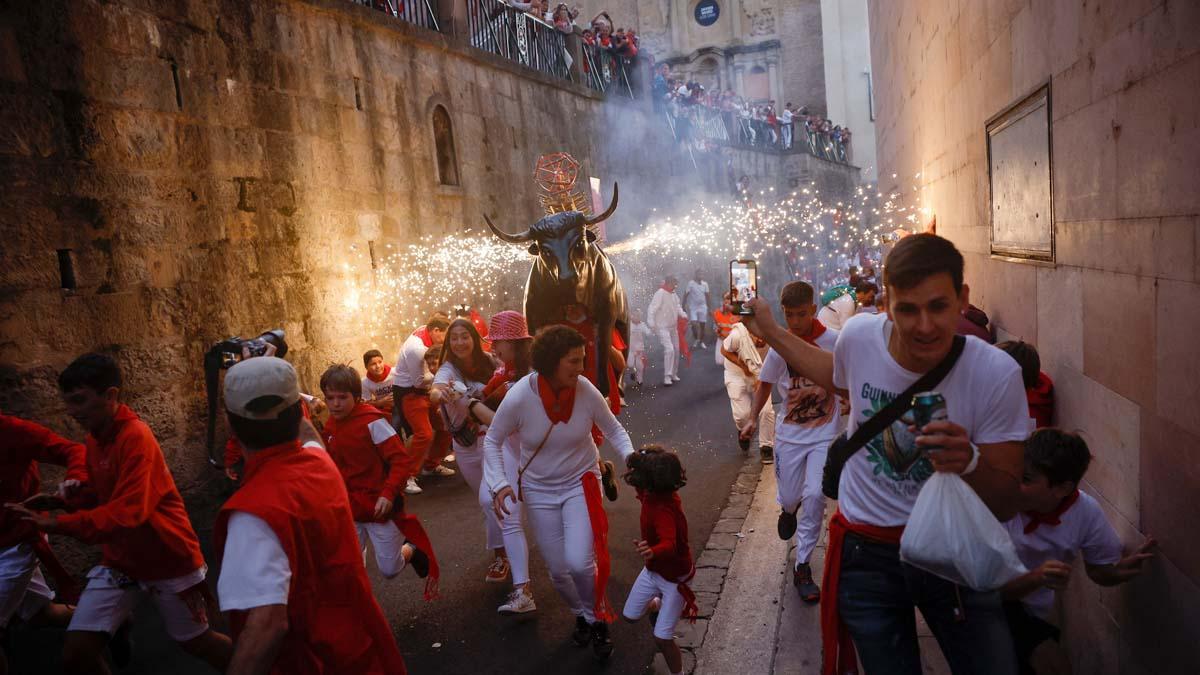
[(743, 285)]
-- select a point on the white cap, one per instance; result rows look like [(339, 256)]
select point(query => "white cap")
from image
[(260, 388)]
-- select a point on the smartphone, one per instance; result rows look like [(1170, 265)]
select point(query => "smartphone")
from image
[(743, 285)]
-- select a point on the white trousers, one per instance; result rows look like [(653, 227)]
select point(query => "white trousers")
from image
[(669, 338), (741, 402), (387, 540), (648, 586), (559, 520), (23, 589), (512, 530), (470, 463), (798, 469), (637, 361)]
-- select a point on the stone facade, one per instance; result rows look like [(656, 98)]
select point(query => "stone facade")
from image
[(1116, 315)]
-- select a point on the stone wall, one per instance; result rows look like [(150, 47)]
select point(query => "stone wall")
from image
[(1115, 317), (218, 167)]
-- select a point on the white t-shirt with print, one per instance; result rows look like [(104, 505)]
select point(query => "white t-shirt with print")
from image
[(984, 394), (810, 413), (1083, 527), (695, 298), (372, 389)]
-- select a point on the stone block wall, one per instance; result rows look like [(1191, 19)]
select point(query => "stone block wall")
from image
[(1115, 317)]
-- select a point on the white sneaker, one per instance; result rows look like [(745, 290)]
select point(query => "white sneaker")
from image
[(412, 488), (448, 458), (520, 601), (438, 470), (667, 381), (703, 346), (676, 378)]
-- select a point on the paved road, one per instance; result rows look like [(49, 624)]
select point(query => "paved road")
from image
[(692, 417)]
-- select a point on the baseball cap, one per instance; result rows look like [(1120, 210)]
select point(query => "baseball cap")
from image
[(260, 388)]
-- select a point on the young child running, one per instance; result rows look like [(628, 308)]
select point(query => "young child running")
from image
[(810, 421), (638, 332), (1062, 521), (371, 459), (662, 587)]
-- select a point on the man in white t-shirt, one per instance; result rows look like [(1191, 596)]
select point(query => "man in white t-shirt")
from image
[(663, 318), (810, 421), (695, 303), (1059, 521), (743, 361), (876, 358)]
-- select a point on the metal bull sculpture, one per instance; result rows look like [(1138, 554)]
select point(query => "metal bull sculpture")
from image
[(571, 268)]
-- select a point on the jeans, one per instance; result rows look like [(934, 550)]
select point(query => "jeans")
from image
[(876, 597)]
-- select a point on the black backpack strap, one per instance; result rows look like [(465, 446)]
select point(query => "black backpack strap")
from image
[(902, 403)]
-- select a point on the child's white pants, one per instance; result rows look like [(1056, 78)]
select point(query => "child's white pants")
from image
[(648, 586), (798, 469), (387, 540), (741, 402)]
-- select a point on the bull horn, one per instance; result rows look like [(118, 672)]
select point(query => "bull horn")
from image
[(607, 213), (510, 238)]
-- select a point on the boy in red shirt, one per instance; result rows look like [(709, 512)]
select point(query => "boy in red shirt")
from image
[(138, 516), (662, 587), (371, 460), (23, 589)]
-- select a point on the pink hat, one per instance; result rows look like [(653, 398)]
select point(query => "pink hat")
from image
[(508, 325)]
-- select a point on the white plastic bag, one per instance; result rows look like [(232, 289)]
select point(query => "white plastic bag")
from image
[(952, 534)]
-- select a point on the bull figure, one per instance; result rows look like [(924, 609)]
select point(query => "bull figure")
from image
[(571, 268)]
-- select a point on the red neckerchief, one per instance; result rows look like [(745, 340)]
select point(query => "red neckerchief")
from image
[(502, 377), (386, 371), (558, 404), (818, 329), (1053, 518)]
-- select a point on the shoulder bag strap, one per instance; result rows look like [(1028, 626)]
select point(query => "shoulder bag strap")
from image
[(521, 470), (902, 403)]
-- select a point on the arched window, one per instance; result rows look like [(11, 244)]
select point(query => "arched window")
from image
[(443, 138), (709, 73), (758, 88)]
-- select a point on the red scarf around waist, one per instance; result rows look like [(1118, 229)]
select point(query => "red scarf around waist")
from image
[(558, 404), (1052, 518), (840, 658)]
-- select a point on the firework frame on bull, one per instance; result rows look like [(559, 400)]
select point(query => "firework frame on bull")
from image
[(557, 178)]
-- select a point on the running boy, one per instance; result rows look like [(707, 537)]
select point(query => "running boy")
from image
[(662, 586), (638, 332), (1061, 520), (803, 432), (370, 457), (377, 385), (149, 546)]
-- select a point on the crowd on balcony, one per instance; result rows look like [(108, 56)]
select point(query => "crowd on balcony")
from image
[(699, 114)]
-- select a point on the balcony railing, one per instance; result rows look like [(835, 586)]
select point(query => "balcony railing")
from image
[(728, 128), (508, 32), (423, 13), (606, 71)]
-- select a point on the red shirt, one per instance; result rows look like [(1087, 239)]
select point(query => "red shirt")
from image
[(371, 466), (1041, 400), (139, 519), (334, 623), (22, 445), (665, 530)]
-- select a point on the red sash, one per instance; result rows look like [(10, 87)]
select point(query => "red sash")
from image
[(599, 522)]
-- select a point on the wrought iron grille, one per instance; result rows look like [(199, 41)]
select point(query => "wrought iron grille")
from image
[(604, 70), (420, 12), (508, 32)]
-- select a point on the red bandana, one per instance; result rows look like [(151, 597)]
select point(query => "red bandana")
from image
[(1052, 518), (502, 377), (386, 370), (558, 404), (818, 329)]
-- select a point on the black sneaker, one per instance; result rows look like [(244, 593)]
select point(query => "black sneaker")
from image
[(786, 527), (608, 478), (419, 561), (120, 645), (803, 581), (767, 453), (583, 632), (744, 444), (602, 646)]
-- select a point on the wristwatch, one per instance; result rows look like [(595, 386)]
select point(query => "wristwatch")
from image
[(974, 460)]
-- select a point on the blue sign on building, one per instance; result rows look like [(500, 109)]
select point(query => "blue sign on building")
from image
[(707, 12)]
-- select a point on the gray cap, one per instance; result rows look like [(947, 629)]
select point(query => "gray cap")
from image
[(260, 388)]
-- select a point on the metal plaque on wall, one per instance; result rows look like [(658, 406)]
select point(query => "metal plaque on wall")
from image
[(1020, 179)]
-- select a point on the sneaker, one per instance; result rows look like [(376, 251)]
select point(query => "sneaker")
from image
[(744, 444), (438, 470), (786, 527), (411, 488), (120, 645), (767, 453), (583, 632), (449, 458), (520, 601), (667, 381), (803, 581), (497, 571), (676, 378), (602, 646), (418, 561), (608, 478), (703, 346)]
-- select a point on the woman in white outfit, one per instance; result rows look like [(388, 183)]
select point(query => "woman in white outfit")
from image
[(552, 411)]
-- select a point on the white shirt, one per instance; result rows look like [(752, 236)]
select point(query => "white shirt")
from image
[(696, 296), (255, 571), (1083, 527), (786, 116), (984, 394), (638, 332), (811, 414), (569, 450), (664, 310), (837, 313), (457, 410), (409, 370), (740, 342), (372, 389)]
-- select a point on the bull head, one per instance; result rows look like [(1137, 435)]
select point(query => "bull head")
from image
[(561, 241)]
